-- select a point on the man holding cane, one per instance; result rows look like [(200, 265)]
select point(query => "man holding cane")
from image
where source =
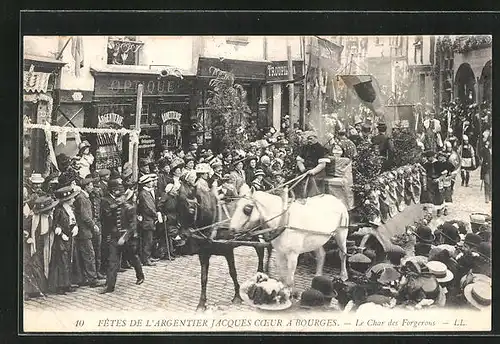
[(148, 216)]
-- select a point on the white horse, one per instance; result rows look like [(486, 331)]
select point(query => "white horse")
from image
[(307, 227)]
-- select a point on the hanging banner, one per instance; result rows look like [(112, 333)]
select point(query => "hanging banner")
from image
[(61, 138), (402, 116), (108, 154), (52, 154), (366, 88)]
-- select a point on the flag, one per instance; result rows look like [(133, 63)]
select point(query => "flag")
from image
[(366, 90), (77, 53), (52, 154)]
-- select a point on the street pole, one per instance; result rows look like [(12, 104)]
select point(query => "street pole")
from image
[(138, 112), (290, 78), (302, 119)]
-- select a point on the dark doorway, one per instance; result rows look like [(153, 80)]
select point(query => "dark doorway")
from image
[(465, 81)]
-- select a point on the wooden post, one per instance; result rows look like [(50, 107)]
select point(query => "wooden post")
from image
[(302, 120), (138, 112)]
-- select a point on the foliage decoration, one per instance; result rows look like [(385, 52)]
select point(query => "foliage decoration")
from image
[(406, 150), (231, 115), (465, 44), (366, 167)]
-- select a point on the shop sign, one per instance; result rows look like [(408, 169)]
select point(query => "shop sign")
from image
[(122, 85), (110, 118), (278, 70), (247, 70), (171, 116), (77, 96), (146, 141)]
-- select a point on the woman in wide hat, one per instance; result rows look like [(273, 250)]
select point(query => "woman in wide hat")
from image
[(37, 246), (65, 229)]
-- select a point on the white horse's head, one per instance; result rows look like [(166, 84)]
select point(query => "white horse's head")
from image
[(246, 215)]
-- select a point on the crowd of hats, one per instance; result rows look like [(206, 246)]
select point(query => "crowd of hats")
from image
[(451, 267)]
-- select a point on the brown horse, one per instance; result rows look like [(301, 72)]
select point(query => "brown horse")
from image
[(201, 222)]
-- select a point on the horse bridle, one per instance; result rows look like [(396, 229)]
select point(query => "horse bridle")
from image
[(247, 210)]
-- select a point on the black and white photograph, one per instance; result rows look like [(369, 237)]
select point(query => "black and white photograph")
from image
[(256, 183)]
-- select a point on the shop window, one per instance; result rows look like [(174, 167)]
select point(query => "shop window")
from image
[(123, 50)]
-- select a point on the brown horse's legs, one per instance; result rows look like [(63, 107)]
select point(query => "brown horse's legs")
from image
[(204, 262), (232, 271), (260, 254)]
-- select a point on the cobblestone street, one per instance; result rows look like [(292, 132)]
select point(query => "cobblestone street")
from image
[(174, 286)]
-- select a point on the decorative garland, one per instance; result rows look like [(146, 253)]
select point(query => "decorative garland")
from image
[(58, 129), (465, 44)]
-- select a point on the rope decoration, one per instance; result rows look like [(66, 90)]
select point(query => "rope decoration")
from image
[(57, 129)]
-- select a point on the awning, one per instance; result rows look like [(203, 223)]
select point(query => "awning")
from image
[(44, 59), (36, 82)]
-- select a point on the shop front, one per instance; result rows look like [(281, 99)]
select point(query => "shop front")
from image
[(164, 119), (40, 76), (249, 74), (279, 101)]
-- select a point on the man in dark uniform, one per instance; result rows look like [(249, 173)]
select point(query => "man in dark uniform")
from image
[(119, 228), (366, 133), (104, 175), (385, 145), (87, 230), (312, 159), (95, 196)]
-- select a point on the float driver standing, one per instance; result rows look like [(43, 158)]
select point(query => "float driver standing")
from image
[(312, 159)]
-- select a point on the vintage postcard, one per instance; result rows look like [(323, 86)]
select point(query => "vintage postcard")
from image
[(256, 183)]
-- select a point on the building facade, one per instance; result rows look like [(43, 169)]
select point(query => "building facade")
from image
[(421, 58), (98, 78), (41, 76)]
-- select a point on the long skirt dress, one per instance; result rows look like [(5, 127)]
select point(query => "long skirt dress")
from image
[(60, 265), (35, 282)]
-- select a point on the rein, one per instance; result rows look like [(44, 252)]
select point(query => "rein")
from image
[(254, 230)]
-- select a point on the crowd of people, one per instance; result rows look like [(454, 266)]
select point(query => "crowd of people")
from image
[(83, 226), (447, 267)]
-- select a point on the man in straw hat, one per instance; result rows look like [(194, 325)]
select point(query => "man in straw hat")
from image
[(62, 250), (257, 182), (168, 206), (120, 234), (87, 230), (148, 215)]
